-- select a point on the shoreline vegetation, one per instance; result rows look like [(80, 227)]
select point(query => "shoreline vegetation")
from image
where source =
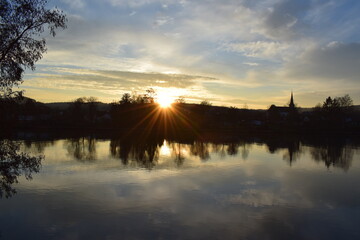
[(141, 114)]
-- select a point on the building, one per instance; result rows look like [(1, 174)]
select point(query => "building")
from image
[(276, 112), (292, 105)]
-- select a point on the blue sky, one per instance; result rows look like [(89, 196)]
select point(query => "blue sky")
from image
[(228, 52)]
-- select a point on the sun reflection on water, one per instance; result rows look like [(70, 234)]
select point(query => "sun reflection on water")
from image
[(165, 149)]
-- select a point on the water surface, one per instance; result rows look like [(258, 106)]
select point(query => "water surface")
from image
[(91, 188)]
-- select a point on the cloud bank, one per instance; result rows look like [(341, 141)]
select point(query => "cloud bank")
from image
[(253, 48)]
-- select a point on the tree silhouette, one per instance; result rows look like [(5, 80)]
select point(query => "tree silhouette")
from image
[(13, 164), (126, 98), (180, 99), (150, 95), (337, 103), (205, 103), (21, 24)]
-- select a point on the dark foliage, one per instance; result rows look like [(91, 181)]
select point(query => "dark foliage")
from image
[(22, 23), (13, 164)]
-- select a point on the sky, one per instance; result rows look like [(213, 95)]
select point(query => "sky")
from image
[(243, 53)]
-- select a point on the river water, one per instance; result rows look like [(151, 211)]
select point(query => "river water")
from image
[(98, 188)]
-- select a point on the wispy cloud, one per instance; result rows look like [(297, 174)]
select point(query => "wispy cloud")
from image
[(114, 83), (75, 4), (259, 49)]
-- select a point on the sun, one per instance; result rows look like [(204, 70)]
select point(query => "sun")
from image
[(164, 100)]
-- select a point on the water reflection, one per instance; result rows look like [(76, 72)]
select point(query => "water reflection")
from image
[(292, 147), (37, 147), (14, 164), (142, 152), (198, 188), (335, 152), (82, 149), (178, 152), (201, 150), (145, 152)]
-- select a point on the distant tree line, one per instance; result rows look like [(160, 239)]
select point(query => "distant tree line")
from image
[(334, 113), (142, 113)]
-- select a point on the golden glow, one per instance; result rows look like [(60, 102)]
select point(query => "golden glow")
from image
[(165, 100), (165, 149)]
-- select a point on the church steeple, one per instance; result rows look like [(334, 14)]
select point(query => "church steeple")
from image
[(291, 105)]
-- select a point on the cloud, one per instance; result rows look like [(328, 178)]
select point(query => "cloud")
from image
[(253, 64), (162, 20), (284, 18), (335, 61), (112, 46), (259, 49), (113, 82), (75, 4), (218, 21), (139, 3), (122, 77)]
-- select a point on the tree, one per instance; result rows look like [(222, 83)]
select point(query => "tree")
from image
[(150, 95), (330, 103), (180, 99), (205, 103), (338, 102), (22, 23), (345, 101), (76, 110), (126, 98), (92, 99), (13, 164), (92, 108)]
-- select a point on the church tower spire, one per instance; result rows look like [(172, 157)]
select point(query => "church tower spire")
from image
[(292, 105)]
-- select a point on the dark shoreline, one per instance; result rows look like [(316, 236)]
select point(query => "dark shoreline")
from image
[(212, 135)]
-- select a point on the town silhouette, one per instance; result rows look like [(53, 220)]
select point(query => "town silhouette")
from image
[(141, 113)]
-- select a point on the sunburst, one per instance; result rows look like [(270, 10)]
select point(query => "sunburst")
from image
[(165, 101)]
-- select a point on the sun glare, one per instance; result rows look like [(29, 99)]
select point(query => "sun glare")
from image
[(165, 101)]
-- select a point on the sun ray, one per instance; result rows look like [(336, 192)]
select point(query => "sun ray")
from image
[(165, 100)]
